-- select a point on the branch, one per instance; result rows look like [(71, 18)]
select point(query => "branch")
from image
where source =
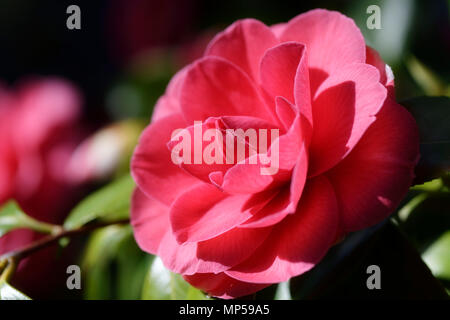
[(13, 257)]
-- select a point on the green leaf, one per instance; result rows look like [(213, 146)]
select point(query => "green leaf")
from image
[(432, 115), (98, 254), (429, 186), (110, 203), (428, 219), (437, 257), (113, 265), (12, 217), (427, 79), (9, 293), (162, 284), (132, 265)]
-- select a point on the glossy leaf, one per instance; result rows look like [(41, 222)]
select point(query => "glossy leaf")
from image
[(7, 292), (437, 257), (161, 284), (107, 204), (428, 219), (113, 265)]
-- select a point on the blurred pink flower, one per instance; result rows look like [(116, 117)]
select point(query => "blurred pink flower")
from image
[(39, 131)]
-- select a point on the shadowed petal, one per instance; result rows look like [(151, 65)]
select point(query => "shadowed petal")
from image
[(298, 242), (376, 175)]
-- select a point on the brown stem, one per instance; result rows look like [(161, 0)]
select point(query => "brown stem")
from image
[(17, 255)]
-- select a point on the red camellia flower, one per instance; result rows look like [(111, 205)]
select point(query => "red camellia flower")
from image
[(346, 154), (38, 133)]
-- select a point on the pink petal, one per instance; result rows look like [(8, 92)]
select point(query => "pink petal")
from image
[(196, 164), (299, 176), (278, 29), (284, 73), (386, 76), (373, 58), (344, 107), (222, 286), (43, 108), (332, 39), (299, 242), (291, 144), (273, 212), (150, 221), (278, 69), (243, 43), (231, 247), (246, 122), (8, 161), (224, 128), (249, 176), (211, 256), (152, 167), (179, 258), (204, 212), (246, 178), (302, 92), (285, 111), (215, 87), (376, 175)]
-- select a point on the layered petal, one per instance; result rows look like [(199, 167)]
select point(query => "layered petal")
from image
[(332, 39), (298, 242), (204, 212), (212, 256), (386, 76), (232, 247), (214, 87), (376, 175), (286, 112), (299, 176), (279, 67), (274, 211), (254, 175), (152, 167), (222, 286), (247, 177), (243, 43), (199, 149), (284, 73), (219, 143), (150, 221), (343, 109)]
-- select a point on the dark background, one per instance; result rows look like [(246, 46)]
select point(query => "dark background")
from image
[(34, 39)]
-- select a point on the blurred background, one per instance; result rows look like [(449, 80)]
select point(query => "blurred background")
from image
[(126, 52)]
